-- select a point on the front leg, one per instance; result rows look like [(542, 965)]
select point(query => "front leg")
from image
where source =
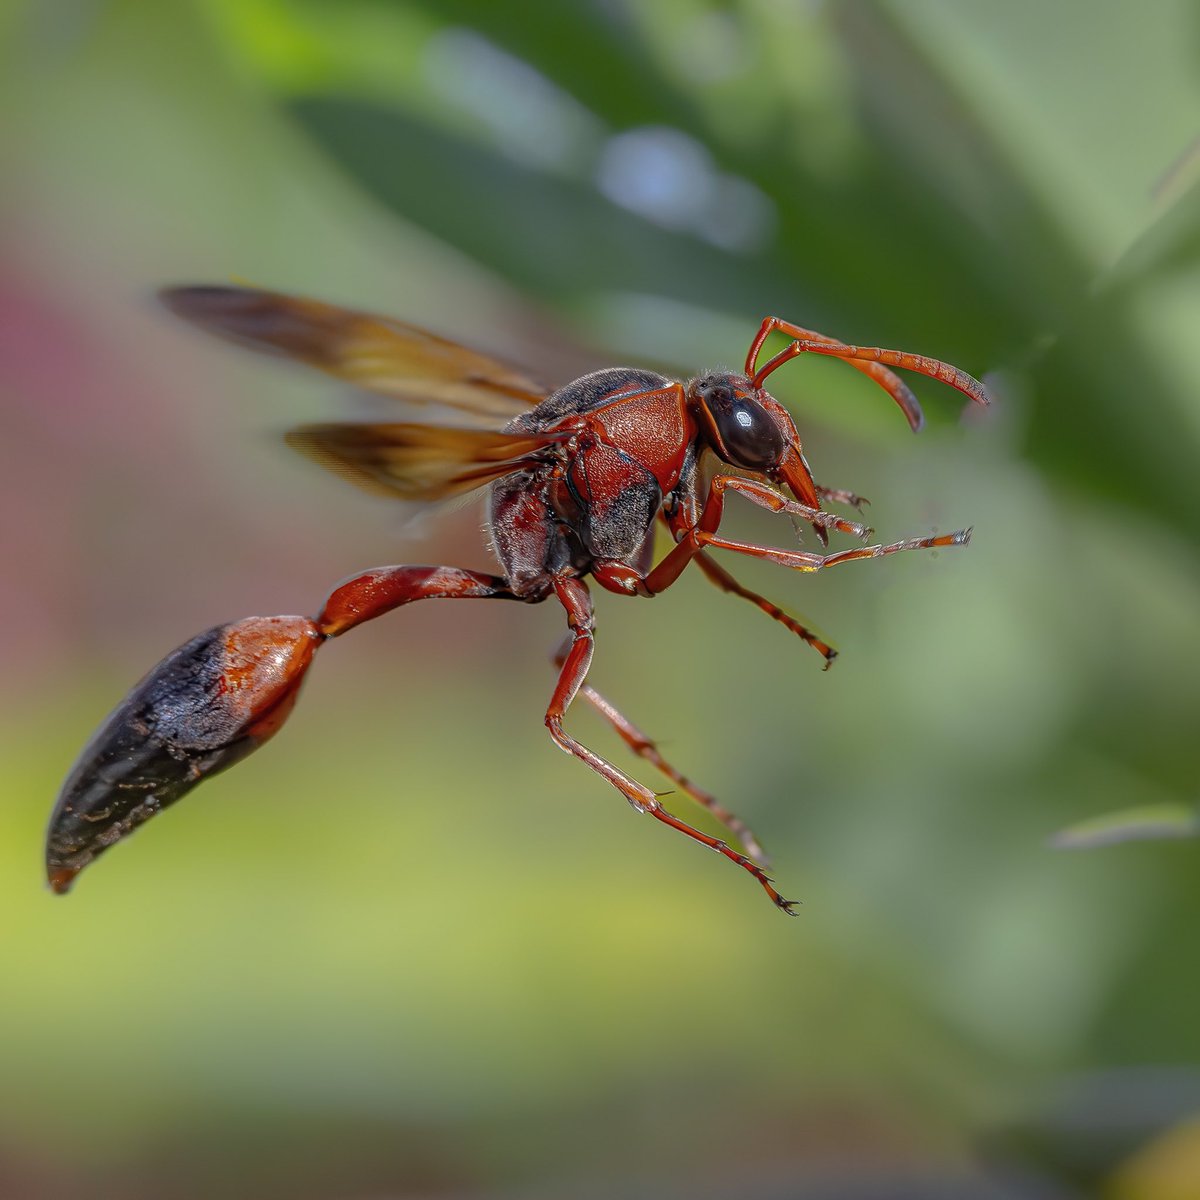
[(703, 533), (842, 496), (212, 702), (800, 560), (689, 521), (773, 501)]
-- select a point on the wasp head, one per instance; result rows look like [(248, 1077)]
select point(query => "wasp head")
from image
[(748, 428)]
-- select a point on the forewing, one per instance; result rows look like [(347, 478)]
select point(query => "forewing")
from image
[(372, 352), (418, 462)]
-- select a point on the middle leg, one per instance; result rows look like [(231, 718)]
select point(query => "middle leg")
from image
[(715, 573)]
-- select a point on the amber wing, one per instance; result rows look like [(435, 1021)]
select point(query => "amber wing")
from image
[(419, 462), (369, 351)]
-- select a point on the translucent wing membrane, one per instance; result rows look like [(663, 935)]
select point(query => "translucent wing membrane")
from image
[(371, 352), (417, 462)]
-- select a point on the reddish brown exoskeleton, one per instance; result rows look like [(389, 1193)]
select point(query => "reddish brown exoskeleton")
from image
[(579, 477)]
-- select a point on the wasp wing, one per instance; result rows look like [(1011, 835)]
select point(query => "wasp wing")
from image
[(371, 352), (419, 462)]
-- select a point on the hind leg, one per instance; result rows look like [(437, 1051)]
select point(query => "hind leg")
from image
[(574, 597), (645, 747)]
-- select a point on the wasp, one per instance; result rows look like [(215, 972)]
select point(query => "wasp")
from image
[(579, 479)]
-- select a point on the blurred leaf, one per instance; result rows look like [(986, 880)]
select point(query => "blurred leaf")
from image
[(1171, 243), (932, 110), (1149, 822), (580, 46), (520, 222)]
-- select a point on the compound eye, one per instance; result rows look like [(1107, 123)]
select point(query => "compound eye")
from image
[(749, 435)]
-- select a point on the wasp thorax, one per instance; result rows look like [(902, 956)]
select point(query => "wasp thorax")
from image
[(743, 432)]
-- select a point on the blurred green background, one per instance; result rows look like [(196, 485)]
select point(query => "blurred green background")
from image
[(410, 949)]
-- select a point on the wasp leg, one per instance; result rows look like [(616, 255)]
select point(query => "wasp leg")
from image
[(841, 496), (715, 573), (575, 598), (723, 848), (799, 560), (645, 747), (768, 498), (690, 540)]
